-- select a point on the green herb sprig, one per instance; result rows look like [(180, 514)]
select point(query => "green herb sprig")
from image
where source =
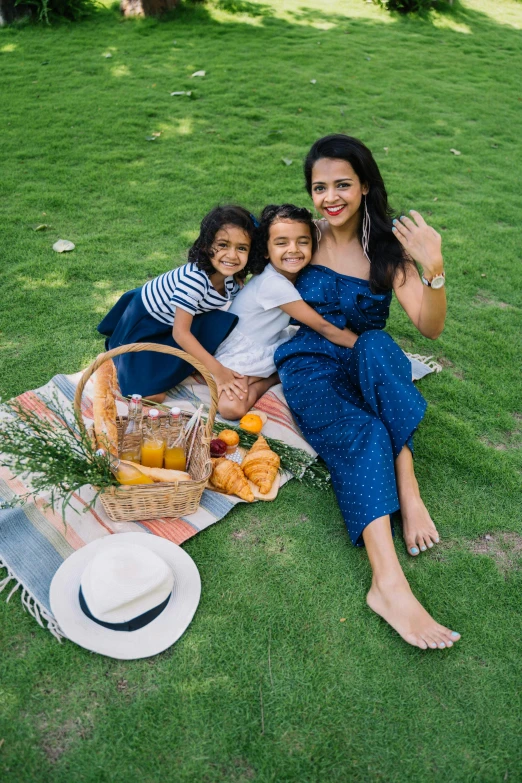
[(311, 471), (59, 455)]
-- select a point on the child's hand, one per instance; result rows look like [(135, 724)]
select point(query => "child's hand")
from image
[(352, 337), (228, 382)]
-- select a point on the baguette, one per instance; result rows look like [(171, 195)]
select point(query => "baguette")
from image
[(104, 407), (160, 474)]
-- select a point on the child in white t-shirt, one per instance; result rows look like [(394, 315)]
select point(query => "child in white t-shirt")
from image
[(284, 243)]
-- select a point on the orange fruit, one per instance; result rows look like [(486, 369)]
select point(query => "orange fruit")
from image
[(251, 423)]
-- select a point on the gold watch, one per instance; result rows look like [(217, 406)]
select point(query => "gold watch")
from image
[(437, 281)]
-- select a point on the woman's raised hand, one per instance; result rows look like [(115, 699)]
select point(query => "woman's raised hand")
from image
[(421, 242), (230, 382)]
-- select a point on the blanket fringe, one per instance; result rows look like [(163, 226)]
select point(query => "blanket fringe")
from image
[(429, 361), (30, 604)]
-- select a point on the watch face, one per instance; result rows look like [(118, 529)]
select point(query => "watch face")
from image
[(438, 281)]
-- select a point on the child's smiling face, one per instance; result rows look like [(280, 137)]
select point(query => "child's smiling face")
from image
[(230, 249), (289, 246)]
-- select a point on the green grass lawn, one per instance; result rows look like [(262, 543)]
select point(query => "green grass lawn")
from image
[(268, 684)]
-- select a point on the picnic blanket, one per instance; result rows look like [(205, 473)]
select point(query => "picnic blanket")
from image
[(35, 539)]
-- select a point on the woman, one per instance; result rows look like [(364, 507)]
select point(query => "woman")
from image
[(357, 406)]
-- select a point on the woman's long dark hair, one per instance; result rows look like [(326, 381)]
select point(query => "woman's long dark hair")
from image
[(385, 251), (228, 215), (271, 214)]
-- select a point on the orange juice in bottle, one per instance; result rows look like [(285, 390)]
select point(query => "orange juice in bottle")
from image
[(175, 444), (153, 444), (128, 474), (125, 474)]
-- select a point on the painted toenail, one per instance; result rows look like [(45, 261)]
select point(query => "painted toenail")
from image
[(423, 548), (454, 633), (430, 545), (414, 550), (442, 645)]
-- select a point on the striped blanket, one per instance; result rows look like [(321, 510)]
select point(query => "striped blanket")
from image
[(35, 539)]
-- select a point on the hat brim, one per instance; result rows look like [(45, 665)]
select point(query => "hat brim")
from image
[(153, 638)]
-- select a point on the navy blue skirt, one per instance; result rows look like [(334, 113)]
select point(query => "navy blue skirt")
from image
[(148, 372)]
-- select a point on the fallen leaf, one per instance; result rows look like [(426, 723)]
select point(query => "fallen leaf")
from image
[(287, 161), (156, 134), (150, 138), (436, 198), (386, 149), (63, 246), (455, 152), (107, 55), (198, 73), (41, 227), (483, 275), (342, 620), (313, 81), (188, 93)]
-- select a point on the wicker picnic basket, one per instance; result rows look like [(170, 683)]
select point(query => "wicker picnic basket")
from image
[(156, 501)]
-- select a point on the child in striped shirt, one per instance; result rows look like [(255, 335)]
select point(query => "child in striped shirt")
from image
[(185, 308)]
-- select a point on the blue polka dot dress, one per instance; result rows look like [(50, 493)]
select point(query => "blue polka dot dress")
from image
[(357, 407)]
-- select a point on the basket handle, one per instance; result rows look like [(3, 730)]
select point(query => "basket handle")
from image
[(137, 347)]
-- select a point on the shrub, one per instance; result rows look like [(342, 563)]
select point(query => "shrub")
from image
[(45, 10), (406, 6)]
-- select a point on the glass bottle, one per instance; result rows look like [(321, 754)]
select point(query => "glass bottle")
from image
[(153, 443), (175, 458), (131, 442), (125, 474)]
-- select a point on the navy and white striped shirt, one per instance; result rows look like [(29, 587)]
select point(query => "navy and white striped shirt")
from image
[(186, 287)]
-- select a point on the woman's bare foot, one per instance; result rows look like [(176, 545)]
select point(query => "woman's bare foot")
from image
[(419, 530), (395, 603)]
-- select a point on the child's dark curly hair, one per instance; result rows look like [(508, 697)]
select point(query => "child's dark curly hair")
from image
[(228, 215), (271, 214)]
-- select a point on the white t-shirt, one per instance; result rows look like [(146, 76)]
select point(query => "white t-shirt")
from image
[(258, 303)]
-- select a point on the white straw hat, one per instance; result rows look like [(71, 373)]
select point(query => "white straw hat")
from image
[(127, 596)]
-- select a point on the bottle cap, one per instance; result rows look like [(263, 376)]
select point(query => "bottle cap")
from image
[(153, 413), (136, 397), (175, 411)]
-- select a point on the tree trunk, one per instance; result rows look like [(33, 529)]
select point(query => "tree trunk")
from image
[(145, 7)]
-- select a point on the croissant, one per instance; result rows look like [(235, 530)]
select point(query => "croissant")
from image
[(104, 407), (229, 477), (261, 465)]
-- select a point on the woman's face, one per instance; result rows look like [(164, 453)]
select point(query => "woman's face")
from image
[(336, 191)]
